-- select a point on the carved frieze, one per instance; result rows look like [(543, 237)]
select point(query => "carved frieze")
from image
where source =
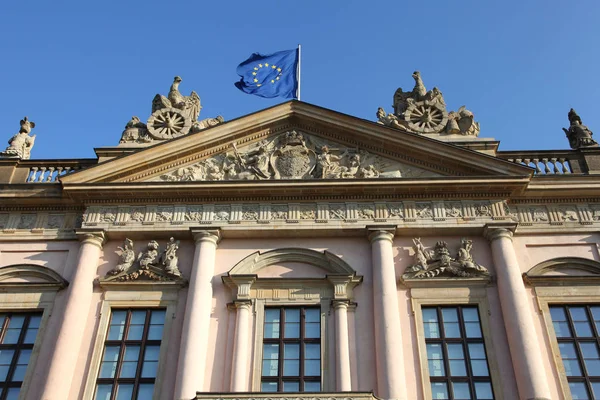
[(293, 155), (439, 262), (150, 264)]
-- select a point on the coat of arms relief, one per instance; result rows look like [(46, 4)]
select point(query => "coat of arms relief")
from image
[(293, 155)]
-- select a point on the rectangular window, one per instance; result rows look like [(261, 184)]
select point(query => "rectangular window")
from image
[(291, 350), (18, 332), (130, 357), (456, 356), (577, 329)]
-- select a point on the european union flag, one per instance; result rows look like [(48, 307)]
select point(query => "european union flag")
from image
[(271, 75)]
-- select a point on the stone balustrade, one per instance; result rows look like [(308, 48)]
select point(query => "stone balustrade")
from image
[(547, 162), (42, 171), (287, 396)]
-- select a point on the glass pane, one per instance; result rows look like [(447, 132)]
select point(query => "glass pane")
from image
[(570, 362), (312, 386), (478, 360), (470, 314), (151, 353), (32, 329), (312, 330), (292, 330), (270, 367), (312, 315), (580, 321), (483, 391), (124, 392), (268, 387), (435, 360), (291, 351), (145, 391), (157, 318), (270, 351), (591, 358), (22, 362), (439, 391), (109, 362), (558, 314), (14, 329), (430, 323), (479, 368), (13, 394), (456, 360), (155, 332), (149, 369), (312, 350), (291, 367), (291, 386), (117, 325), (312, 367), (578, 391), (562, 329), (473, 329), (461, 391), (130, 362), (271, 331), (596, 389), (450, 318), (292, 315), (6, 357), (135, 332), (272, 316)]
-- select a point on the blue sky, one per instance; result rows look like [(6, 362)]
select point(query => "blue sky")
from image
[(81, 69)]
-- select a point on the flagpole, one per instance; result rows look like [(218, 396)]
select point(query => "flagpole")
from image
[(299, 67)]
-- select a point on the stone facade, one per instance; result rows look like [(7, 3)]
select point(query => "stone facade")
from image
[(366, 223)]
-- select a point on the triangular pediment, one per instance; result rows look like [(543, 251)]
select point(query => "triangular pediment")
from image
[(297, 142)]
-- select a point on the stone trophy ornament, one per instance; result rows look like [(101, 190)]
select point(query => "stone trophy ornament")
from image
[(291, 155), (578, 134), (439, 262), (172, 116), (19, 146), (150, 264), (423, 111)]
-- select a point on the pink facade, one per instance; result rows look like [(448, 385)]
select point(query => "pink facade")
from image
[(299, 250)]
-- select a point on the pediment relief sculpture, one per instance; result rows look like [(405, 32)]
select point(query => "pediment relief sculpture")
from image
[(293, 155), (172, 116), (150, 264), (439, 262), (20, 145), (423, 111)]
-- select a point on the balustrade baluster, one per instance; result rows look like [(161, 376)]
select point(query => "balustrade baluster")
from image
[(32, 174), (557, 170), (566, 165), (50, 176), (42, 172), (547, 170), (538, 170)]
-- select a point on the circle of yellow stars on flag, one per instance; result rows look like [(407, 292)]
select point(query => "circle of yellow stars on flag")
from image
[(266, 65)]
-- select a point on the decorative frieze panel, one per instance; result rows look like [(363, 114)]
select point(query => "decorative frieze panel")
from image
[(405, 212), (39, 222)]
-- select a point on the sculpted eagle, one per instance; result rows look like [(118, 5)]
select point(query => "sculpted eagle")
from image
[(190, 105)]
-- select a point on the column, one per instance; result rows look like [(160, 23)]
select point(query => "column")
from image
[(343, 381), (388, 336), (77, 308), (191, 365), (517, 314), (241, 347)]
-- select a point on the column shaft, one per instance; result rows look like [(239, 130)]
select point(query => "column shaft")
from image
[(518, 321), (241, 348), (77, 308), (191, 366), (342, 347), (388, 336)]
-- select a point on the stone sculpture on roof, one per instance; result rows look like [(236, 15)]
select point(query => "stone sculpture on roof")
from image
[(172, 116), (578, 134), (423, 111), (19, 146)]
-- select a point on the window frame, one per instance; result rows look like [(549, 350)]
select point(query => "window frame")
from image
[(30, 300), (327, 339), (579, 293), (114, 299), (466, 295)]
